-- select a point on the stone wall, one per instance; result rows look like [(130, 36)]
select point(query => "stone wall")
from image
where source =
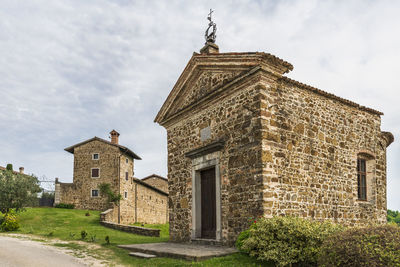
[(152, 206), (66, 193), (132, 229), (157, 181), (127, 190), (110, 215), (231, 119), (312, 143)]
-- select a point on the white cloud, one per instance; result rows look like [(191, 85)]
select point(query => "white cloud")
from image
[(71, 70)]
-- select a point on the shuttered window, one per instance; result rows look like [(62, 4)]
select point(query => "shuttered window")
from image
[(362, 179), (95, 173)]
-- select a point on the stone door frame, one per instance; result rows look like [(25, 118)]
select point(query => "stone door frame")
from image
[(203, 159)]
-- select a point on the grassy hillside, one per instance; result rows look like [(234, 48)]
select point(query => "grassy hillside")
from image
[(66, 224)]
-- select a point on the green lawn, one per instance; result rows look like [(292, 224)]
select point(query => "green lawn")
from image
[(65, 224)]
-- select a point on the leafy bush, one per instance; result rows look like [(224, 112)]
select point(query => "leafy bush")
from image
[(286, 240), (241, 238), (371, 246), (9, 222), (64, 206)]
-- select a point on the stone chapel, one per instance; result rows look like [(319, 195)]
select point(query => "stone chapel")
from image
[(246, 141)]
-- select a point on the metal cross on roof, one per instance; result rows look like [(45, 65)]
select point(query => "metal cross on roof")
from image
[(210, 37)]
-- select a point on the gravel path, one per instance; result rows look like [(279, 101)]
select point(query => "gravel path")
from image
[(16, 252)]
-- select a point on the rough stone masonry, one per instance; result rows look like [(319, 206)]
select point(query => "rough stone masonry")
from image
[(279, 147), (141, 201)]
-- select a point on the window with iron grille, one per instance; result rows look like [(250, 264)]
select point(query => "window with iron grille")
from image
[(362, 179)]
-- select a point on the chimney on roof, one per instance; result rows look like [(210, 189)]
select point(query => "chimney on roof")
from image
[(21, 170), (114, 137)]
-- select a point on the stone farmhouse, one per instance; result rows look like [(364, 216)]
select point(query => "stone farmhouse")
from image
[(246, 141), (98, 161)]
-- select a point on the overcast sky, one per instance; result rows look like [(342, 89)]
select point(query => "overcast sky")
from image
[(71, 70)]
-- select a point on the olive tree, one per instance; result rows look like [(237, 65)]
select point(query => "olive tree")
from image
[(17, 190)]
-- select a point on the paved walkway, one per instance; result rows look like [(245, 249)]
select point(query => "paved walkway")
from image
[(16, 252), (192, 252)]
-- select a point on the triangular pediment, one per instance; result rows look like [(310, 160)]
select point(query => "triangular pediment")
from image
[(205, 74), (203, 82)]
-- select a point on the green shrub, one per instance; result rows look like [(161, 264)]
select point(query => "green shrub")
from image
[(371, 246), (9, 222), (286, 240), (241, 238), (83, 234), (64, 206)]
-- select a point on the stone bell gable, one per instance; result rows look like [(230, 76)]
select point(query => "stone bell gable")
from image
[(245, 141)]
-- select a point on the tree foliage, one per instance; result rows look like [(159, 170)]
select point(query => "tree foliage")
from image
[(9, 167), (393, 217), (17, 190)]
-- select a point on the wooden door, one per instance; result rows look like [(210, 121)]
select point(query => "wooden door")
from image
[(208, 204)]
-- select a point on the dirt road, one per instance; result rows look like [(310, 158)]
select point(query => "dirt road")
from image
[(16, 252)]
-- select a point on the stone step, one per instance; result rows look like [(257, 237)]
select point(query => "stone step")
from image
[(187, 251), (202, 241), (142, 255)]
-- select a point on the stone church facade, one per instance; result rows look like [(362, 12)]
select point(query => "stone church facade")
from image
[(98, 161), (246, 141)]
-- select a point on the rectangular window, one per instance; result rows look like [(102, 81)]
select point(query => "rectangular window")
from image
[(127, 160), (95, 156), (126, 194), (95, 172), (95, 193), (362, 179), (126, 176)]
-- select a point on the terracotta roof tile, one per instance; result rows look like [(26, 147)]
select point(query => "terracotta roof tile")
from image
[(123, 148), (154, 175)]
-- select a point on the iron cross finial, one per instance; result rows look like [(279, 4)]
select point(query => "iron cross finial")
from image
[(210, 37), (209, 14)]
